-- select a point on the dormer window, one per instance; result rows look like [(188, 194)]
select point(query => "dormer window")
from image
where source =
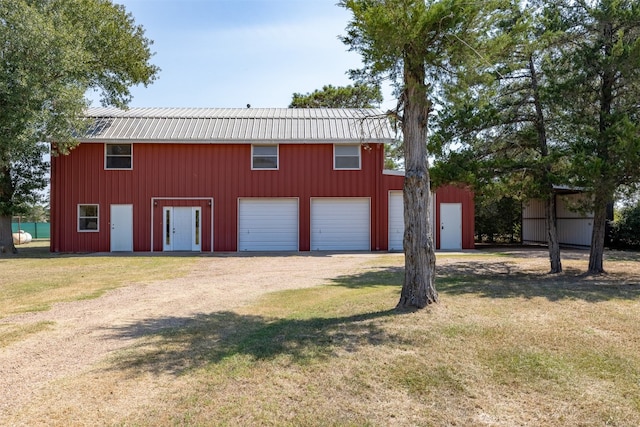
[(118, 156), (346, 157), (264, 157)]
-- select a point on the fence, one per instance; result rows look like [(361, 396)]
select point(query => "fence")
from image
[(38, 230)]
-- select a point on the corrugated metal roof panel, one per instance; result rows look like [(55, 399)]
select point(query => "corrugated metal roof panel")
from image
[(238, 125)]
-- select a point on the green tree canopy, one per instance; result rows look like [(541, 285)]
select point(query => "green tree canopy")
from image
[(498, 114), (360, 95), (597, 87), (416, 44), (51, 53)]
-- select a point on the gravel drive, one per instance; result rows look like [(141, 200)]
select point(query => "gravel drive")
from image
[(84, 333)]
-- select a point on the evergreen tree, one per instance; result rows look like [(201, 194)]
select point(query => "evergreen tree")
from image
[(499, 111), (359, 95), (598, 87), (415, 43)]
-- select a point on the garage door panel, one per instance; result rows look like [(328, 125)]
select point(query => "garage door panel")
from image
[(340, 224), (268, 225), (396, 219)]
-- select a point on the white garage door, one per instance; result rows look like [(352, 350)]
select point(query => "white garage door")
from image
[(396, 221), (340, 224), (268, 224)]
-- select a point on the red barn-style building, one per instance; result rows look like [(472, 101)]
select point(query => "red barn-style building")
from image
[(238, 180)]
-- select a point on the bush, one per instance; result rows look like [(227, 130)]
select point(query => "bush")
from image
[(625, 233), (498, 221)]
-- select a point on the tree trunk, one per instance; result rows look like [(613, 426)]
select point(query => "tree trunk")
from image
[(6, 239), (550, 200), (6, 193), (552, 234), (418, 289), (596, 254), (604, 183)]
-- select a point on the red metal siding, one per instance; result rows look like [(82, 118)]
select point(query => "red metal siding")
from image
[(219, 171), (170, 174)]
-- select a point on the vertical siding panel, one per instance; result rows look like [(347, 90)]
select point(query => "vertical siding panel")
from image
[(220, 171)]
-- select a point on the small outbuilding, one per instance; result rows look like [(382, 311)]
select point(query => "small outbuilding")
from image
[(574, 224)]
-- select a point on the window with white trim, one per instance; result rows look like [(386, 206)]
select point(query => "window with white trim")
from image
[(264, 157), (118, 156), (88, 216), (346, 156)]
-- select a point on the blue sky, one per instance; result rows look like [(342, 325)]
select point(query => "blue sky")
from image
[(230, 53)]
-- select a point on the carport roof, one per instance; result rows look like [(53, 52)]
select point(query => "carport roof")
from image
[(238, 125)]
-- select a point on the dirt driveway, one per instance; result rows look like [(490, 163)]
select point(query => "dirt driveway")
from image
[(36, 372)]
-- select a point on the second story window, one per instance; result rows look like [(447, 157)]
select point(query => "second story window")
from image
[(264, 157), (346, 157), (118, 156)]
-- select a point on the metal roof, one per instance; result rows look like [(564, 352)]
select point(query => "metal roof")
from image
[(237, 125)]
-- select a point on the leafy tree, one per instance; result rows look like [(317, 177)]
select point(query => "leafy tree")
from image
[(498, 219), (51, 53), (414, 43), (626, 229), (359, 95), (598, 88), (34, 213), (499, 112)]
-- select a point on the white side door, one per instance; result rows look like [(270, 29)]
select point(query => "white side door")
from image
[(121, 228), (451, 226), (396, 221), (182, 229)]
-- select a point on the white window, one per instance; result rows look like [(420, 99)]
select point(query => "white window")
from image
[(88, 218), (264, 157), (346, 156), (118, 156)]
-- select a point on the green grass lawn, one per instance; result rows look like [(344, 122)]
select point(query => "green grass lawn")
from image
[(35, 279), (522, 348), (508, 345)]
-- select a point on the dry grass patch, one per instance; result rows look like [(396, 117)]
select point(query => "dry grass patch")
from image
[(508, 345), (10, 333), (34, 279)]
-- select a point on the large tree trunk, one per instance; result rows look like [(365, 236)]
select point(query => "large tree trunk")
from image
[(604, 182), (552, 234), (596, 254), (550, 201), (6, 193), (6, 239), (418, 289)]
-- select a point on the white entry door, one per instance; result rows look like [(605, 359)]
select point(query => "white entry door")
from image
[(451, 226), (121, 228), (182, 228), (396, 221)]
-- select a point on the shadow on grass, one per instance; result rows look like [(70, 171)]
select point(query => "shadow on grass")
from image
[(499, 279), (177, 344), (383, 276), (506, 280)]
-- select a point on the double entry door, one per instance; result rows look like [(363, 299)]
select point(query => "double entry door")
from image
[(182, 230)]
